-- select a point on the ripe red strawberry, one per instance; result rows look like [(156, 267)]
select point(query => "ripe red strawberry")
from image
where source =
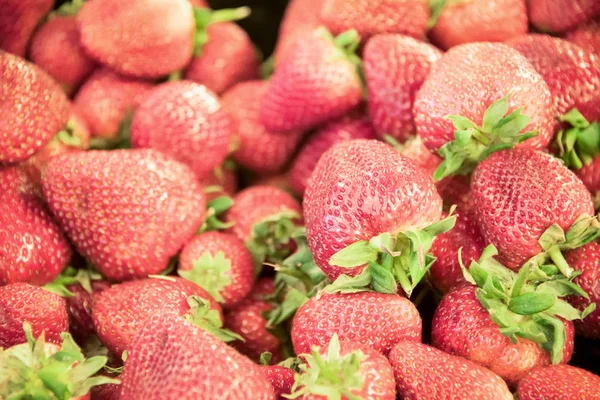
[(258, 149), (184, 119), (586, 36), (33, 248), (221, 181), (44, 311), (56, 49), (79, 307), (391, 319), (395, 68), (518, 194), (316, 83), (353, 126), (481, 97), (423, 372), (110, 33), (280, 378), (590, 176), (120, 311), (127, 211), (171, 355), (371, 17), (558, 382), (18, 20), (33, 108), (300, 18), (105, 98), (488, 21), (561, 15)]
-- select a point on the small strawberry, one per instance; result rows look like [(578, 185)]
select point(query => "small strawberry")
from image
[(561, 15), (395, 68), (259, 150), (80, 305), (316, 83), (300, 18), (127, 211), (184, 119), (423, 372), (280, 378), (353, 126), (586, 36), (18, 20), (44, 311), (558, 382)]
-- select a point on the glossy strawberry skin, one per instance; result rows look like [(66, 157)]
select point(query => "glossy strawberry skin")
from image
[(79, 308), (347, 199), (259, 149), (561, 15), (170, 355), (424, 372), (391, 319), (464, 76), (18, 21), (520, 193), (122, 310), (353, 126), (183, 119), (281, 378), (45, 312), (590, 176), (586, 36), (557, 382), (127, 211), (461, 326)]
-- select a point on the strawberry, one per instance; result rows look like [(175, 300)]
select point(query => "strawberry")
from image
[(300, 18), (109, 31), (316, 83), (183, 119), (220, 264), (44, 311), (414, 149), (172, 356), (56, 49), (280, 378), (259, 150), (561, 15), (560, 382), (105, 98), (94, 195), (489, 105), (423, 372), (121, 310), (392, 318), (408, 17), (345, 370), (586, 36), (590, 176), (79, 307), (280, 181), (395, 68), (33, 108), (18, 20), (488, 21), (353, 126), (33, 249), (221, 181)]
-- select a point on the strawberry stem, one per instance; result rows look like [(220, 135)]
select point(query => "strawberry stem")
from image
[(579, 141)]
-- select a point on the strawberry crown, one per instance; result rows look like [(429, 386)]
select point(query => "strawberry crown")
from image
[(211, 272), (204, 17), (69, 8), (579, 142), (208, 319), (71, 276), (214, 210)]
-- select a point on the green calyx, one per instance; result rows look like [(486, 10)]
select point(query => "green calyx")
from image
[(390, 259), (70, 8), (214, 210), (331, 375), (122, 140), (205, 17), (579, 142), (473, 144), (211, 273), (67, 136), (528, 304), (30, 371), (206, 318), (71, 276)]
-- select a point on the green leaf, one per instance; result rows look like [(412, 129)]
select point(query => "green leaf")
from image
[(531, 303), (561, 288), (294, 299), (265, 358), (204, 17), (382, 279), (554, 331), (564, 310), (70, 8), (354, 255), (494, 113), (211, 273), (214, 209), (206, 318), (350, 284)]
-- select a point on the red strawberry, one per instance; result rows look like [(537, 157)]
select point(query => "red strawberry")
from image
[(33, 248), (353, 126), (561, 15), (172, 356), (488, 21), (259, 150), (79, 307), (587, 36), (281, 378), (55, 48), (371, 17), (221, 181), (18, 20), (33, 108), (559, 382), (395, 68), (590, 176), (184, 119), (518, 194), (481, 97), (110, 33), (423, 372), (280, 181), (316, 83), (391, 319), (228, 57), (44, 311), (300, 18), (120, 311), (127, 211), (105, 98)]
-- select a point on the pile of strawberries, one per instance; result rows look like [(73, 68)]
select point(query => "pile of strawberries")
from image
[(415, 220)]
